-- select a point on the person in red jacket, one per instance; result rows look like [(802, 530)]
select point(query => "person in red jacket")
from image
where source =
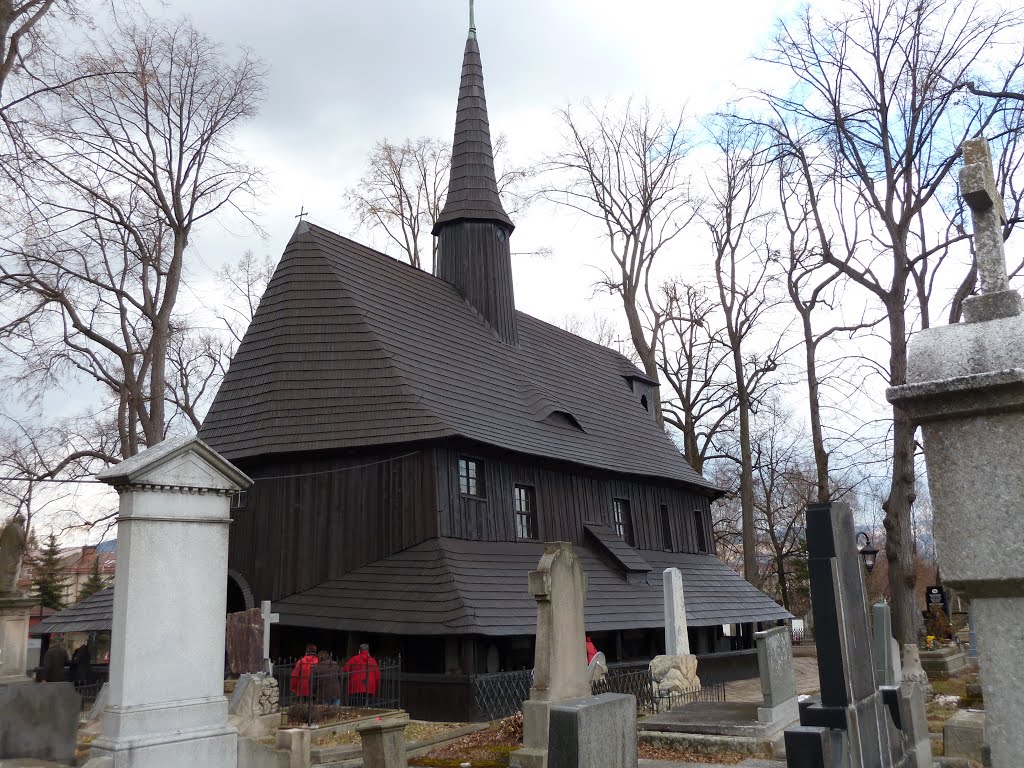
[(303, 672), (591, 650), (363, 676)]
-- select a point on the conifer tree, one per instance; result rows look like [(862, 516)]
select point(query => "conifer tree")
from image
[(94, 583), (48, 578)]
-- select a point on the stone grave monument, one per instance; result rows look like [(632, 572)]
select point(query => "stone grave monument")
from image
[(166, 704), (560, 678), (882, 639), (254, 707), (966, 390), (676, 671), (244, 637), (778, 683), (268, 619), (36, 721), (854, 724)]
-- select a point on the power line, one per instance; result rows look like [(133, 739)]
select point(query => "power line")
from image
[(257, 479)]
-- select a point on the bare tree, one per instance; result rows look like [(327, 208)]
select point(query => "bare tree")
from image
[(813, 290), (872, 87), (625, 169), (20, 23), (122, 169), (783, 487), (744, 270), (405, 186), (694, 360)]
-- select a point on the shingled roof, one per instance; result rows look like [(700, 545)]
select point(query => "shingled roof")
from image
[(351, 348), (94, 614), (472, 188), (453, 586)]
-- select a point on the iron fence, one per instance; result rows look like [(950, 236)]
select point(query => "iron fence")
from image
[(502, 694), (801, 637), (88, 694), (326, 691)]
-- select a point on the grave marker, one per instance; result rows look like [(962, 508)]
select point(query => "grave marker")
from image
[(966, 390), (166, 704)]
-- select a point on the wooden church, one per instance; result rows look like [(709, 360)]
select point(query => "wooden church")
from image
[(414, 439)]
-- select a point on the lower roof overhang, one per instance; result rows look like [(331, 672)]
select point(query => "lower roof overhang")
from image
[(459, 587)]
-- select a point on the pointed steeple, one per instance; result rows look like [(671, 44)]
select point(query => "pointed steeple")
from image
[(473, 229), (472, 187)]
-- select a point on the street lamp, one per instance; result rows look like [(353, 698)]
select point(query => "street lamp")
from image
[(866, 551)]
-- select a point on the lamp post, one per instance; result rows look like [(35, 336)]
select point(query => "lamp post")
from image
[(866, 551)]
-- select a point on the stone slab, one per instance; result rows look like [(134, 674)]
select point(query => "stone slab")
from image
[(775, 667), (944, 662), (39, 720), (718, 718), (593, 732), (963, 735), (702, 744), (783, 714)]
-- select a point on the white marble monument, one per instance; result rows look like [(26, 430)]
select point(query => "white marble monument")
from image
[(166, 705)]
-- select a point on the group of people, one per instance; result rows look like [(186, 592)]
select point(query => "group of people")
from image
[(317, 675), (55, 660)]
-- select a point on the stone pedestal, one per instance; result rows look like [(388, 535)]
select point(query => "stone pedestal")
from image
[(384, 743), (14, 615), (38, 720), (166, 704), (966, 390), (593, 732)]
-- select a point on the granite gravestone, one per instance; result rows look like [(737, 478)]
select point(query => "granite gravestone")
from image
[(966, 390), (778, 683), (852, 724), (244, 638), (885, 667)]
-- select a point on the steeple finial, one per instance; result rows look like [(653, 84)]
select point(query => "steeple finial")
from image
[(472, 21)]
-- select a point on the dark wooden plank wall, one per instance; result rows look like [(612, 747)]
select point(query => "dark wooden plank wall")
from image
[(297, 532), (566, 498)]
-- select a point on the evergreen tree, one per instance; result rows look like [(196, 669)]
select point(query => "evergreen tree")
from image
[(48, 578), (94, 583)]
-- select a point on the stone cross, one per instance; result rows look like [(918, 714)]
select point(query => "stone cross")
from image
[(677, 641), (268, 619), (978, 187)]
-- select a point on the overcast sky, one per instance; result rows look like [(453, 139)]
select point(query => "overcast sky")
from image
[(346, 74)]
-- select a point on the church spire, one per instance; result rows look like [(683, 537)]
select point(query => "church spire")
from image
[(473, 229), (472, 187)]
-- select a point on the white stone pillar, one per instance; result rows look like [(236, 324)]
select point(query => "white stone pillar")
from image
[(166, 703), (677, 641)]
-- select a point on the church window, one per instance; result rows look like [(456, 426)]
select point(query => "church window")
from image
[(623, 520), (525, 500), (698, 524), (643, 402), (471, 478), (666, 528)]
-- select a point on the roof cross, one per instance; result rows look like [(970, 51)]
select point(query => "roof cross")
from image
[(302, 214), (472, 20), (978, 188)]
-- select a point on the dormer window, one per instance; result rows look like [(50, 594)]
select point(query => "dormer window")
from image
[(471, 478), (622, 519), (643, 402)]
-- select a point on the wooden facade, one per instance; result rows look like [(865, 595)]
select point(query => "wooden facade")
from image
[(566, 497), (307, 520)]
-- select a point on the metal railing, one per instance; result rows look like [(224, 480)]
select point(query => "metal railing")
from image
[(88, 694), (502, 694), (313, 694)]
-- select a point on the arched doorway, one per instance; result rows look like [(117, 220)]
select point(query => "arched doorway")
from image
[(239, 594)]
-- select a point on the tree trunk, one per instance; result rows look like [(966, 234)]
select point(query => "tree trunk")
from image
[(817, 438), (899, 544), (746, 469), (780, 568)]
